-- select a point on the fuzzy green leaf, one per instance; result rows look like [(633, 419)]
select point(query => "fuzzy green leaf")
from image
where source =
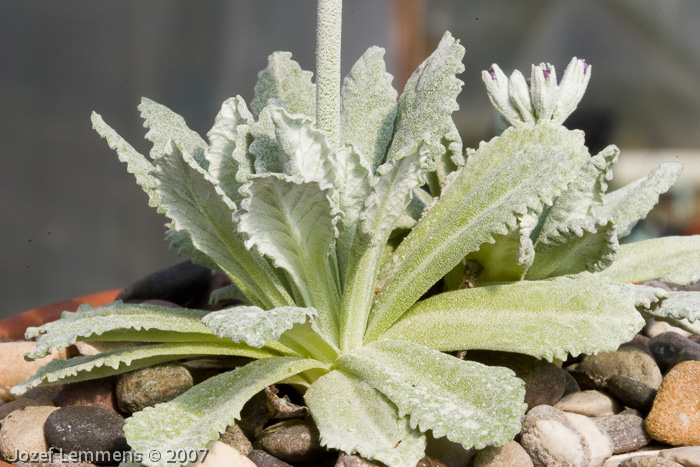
[(255, 326), (120, 361), (368, 107), (353, 417), (545, 319), (195, 203), (293, 223), (669, 259), (633, 202), (467, 216), (229, 161), (200, 415), (164, 125), (467, 402), (136, 163), (679, 306), (284, 80), (575, 246)]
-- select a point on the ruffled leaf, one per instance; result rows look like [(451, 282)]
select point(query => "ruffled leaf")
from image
[(575, 246), (120, 361), (545, 319), (368, 107), (467, 402), (284, 80), (353, 417), (200, 415), (633, 202), (668, 259), (679, 306)]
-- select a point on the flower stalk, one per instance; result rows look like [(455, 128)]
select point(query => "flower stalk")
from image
[(328, 39)]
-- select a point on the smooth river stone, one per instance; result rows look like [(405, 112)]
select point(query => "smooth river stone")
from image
[(589, 403), (627, 361), (16, 369)]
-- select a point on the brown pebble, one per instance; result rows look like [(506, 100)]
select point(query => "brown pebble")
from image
[(16, 369), (92, 393)]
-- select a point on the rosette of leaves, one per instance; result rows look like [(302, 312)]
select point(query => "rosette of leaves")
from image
[(352, 242)]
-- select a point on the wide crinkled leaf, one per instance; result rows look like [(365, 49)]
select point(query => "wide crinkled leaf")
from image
[(353, 417), (679, 306), (368, 107), (293, 223), (136, 163), (229, 161), (89, 321), (255, 326), (669, 259), (469, 403), (545, 319), (284, 80), (200, 415), (195, 203), (114, 362), (633, 202), (467, 216), (427, 102), (164, 125), (575, 246)]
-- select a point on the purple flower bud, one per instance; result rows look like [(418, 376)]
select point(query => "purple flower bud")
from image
[(546, 73), (493, 74), (586, 66)]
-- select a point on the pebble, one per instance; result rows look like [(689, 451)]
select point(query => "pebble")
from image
[(648, 461), (222, 455), (571, 384), (510, 454), (429, 462), (90, 431), (40, 396), (626, 431), (687, 354), (92, 393), (293, 441), (234, 437), (263, 459), (16, 369), (627, 361), (631, 392), (448, 452), (675, 416), (55, 460), (23, 431), (150, 386), (599, 445), (666, 346), (589, 403), (184, 283), (551, 441), (653, 328), (346, 460), (544, 382), (685, 456)]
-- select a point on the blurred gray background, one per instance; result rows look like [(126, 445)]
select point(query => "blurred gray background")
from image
[(75, 222)]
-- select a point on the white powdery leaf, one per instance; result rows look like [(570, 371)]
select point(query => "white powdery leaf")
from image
[(679, 306), (546, 319), (201, 414), (469, 403), (164, 125), (352, 182), (229, 161), (631, 203), (368, 107), (353, 417), (255, 326), (284, 80), (123, 360), (668, 259)]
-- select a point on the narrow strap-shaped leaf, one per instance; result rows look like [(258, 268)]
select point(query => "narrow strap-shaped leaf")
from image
[(426, 105), (165, 125), (253, 325), (196, 204), (89, 321), (669, 259), (351, 416), (283, 79), (229, 161), (466, 217), (575, 246), (679, 306), (467, 402), (633, 202), (119, 361), (545, 319), (293, 224), (368, 107), (136, 163), (200, 415)]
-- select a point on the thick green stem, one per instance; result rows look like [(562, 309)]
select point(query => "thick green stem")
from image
[(328, 31)]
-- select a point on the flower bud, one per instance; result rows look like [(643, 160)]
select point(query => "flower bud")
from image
[(543, 91), (573, 85)]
